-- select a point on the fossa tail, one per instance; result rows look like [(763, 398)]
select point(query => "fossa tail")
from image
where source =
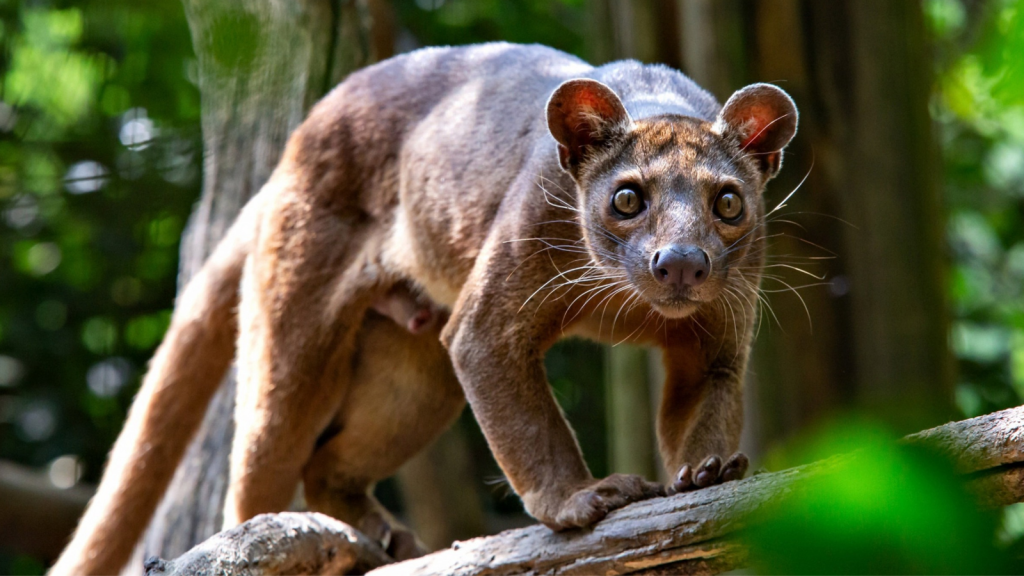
[(183, 375)]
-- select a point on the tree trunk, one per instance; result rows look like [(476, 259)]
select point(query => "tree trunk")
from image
[(262, 64), (711, 35)]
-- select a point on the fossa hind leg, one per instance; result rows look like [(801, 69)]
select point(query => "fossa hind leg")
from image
[(403, 394), (303, 298)]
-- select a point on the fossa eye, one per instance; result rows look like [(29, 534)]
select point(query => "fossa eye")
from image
[(627, 202), (728, 205)]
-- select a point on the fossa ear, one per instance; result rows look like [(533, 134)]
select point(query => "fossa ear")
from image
[(583, 115), (763, 119)]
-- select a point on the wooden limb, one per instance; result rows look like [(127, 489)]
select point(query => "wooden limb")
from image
[(1000, 486), (990, 448), (691, 533), (272, 544), (684, 531), (980, 443)]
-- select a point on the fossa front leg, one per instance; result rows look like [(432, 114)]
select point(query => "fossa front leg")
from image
[(701, 415), (498, 351)]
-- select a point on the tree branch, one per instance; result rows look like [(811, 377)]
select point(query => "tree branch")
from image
[(689, 533), (272, 544), (980, 443)]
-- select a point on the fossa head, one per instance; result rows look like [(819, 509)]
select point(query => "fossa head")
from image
[(671, 202)]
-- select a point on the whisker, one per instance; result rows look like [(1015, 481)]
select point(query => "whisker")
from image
[(794, 290), (790, 195), (606, 301), (636, 331), (598, 288), (623, 305), (801, 270), (559, 274)]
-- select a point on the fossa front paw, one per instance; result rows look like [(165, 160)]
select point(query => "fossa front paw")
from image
[(589, 505), (709, 472)]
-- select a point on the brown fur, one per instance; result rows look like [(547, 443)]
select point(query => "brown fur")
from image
[(436, 173)]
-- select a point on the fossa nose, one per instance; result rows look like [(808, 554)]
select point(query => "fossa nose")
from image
[(681, 266)]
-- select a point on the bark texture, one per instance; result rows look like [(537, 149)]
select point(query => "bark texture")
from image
[(1000, 486), (692, 533), (681, 533), (996, 439), (272, 544)]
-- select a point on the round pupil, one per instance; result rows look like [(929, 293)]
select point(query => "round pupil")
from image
[(627, 201), (729, 205)]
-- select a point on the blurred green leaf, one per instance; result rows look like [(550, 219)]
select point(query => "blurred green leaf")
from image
[(145, 332), (885, 509), (981, 343), (46, 73), (99, 335), (946, 16), (1012, 525)]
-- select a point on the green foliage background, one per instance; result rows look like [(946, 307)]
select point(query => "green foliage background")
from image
[(100, 163), (90, 225), (979, 108)]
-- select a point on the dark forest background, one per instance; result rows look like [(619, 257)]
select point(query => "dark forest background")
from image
[(893, 302)]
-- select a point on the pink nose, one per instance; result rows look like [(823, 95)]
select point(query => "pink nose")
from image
[(681, 266)]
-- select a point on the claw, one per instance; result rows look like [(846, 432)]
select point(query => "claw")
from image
[(708, 471), (684, 480), (735, 467)]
